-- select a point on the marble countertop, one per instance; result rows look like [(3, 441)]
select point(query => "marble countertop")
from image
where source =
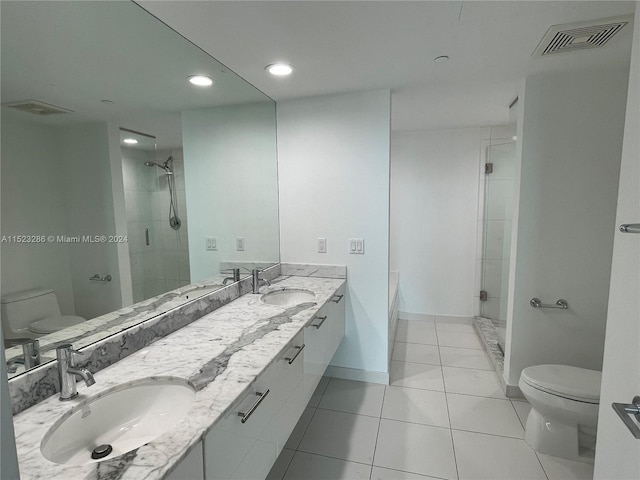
[(221, 354)]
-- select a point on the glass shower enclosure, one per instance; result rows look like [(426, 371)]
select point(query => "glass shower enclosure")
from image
[(496, 224)]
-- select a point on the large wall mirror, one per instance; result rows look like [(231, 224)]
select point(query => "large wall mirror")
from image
[(126, 189)]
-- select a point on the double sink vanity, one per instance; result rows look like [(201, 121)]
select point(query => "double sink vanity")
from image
[(215, 399)]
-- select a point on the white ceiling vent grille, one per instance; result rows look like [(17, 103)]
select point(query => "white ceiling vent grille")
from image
[(579, 36), (37, 107)]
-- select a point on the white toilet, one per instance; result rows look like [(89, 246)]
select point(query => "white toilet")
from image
[(564, 410), (32, 314)]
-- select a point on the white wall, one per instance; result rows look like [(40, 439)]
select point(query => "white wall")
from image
[(617, 452), (434, 218), (231, 177), (572, 127), (333, 158), (33, 204)]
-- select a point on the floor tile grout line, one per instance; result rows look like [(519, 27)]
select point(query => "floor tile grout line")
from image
[(288, 464), (315, 409), (412, 473), (541, 465), (375, 447), (350, 413), (481, 349), (446, 400), (490, 434), (515, 410), (336, 458)]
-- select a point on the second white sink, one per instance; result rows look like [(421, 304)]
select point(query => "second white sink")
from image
[(288, 296), (118, 420)]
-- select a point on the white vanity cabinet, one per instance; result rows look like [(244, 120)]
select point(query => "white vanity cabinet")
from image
[(191, 467), (234, 449), (336, 313), (322, 337)]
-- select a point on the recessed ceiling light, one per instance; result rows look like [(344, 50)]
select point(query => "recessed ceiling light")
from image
[(200, 80), (441, 59), (130, 141), (279, 69)]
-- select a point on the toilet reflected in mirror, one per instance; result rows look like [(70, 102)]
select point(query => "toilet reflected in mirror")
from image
[(32, 314)]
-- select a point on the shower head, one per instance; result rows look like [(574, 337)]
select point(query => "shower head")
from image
[(164, 166)]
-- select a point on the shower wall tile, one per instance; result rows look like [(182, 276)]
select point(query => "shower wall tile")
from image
[(480, 239), (137, 268), (169, 238), (131, 205), (502, 157), (183, 260), (138, 292), (492, 275), (478, 276), (171, 265), (491, 308), (494, 239), (500, 199)]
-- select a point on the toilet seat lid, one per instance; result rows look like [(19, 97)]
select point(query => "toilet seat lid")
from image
[(565, 381), (55, 323)]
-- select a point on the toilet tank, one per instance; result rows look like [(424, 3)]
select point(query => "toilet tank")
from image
[(19, 309)]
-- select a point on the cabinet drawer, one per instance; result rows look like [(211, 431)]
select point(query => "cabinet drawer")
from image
[(237, 450)]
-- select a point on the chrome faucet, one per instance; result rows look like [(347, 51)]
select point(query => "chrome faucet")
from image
[(257, 281), (67, 370), (30, 355), (236, 275)]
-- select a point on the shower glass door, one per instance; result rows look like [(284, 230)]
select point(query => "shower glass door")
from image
[(154, 190), (498, 203)]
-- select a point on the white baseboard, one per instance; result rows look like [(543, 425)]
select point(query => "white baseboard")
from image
[(513, 391), (421, 317), (357, 375)]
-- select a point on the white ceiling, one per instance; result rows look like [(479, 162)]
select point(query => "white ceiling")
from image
[(349, 46), (74, 54)]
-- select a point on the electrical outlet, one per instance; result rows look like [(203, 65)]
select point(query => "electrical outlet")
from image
[(240, 244), (211, 243), (356, 246), (322, 245)]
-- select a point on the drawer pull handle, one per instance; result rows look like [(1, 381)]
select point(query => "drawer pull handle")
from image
[(318, 325), (333, 299), (245, 416), (293, 359)]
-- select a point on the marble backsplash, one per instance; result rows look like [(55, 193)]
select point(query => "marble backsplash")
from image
[(311, 270), (39, 383)]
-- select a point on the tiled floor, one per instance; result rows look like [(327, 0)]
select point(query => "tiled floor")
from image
[(443, 416)]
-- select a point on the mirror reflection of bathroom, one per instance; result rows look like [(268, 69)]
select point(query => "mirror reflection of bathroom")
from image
[(498, 180), (155, 203)]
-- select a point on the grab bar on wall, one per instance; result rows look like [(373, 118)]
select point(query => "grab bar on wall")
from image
[(630, 228), (536, 303), (98, 278)]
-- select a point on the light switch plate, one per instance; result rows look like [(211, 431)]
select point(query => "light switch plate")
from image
[(356, 246), (240, 244), (322, 245), (211, 243)]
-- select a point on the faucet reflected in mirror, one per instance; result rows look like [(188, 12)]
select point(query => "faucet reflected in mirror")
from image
[(30, 355)]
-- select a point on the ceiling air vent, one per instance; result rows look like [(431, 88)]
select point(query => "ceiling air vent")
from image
[(579, 36), (37, 107)]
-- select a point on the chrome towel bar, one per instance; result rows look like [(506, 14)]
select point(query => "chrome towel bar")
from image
[(630, 228), (536, 303)]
